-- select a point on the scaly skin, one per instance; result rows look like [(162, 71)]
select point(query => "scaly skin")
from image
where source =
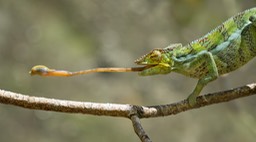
[(225, 49)]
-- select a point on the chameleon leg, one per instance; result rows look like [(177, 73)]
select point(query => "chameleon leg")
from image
[(212, 74)]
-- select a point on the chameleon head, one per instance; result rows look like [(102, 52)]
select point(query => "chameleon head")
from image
[(156, 62)]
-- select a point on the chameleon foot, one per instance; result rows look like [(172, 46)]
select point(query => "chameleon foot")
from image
[(192, 100)]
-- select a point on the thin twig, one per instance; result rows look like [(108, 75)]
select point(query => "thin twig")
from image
[(139, 129)]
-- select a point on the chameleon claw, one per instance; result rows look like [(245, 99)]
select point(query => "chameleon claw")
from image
[(192, 100)]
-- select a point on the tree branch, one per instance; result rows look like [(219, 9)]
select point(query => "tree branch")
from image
[(122, 110), (132, 112)]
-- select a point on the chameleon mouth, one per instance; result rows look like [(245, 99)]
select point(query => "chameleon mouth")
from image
[(146, 66), (143, 63), (149, 66)]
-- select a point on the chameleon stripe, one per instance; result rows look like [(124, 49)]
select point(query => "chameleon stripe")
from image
[(219, 34)]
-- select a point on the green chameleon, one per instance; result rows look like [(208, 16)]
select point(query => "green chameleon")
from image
[(225, 49)]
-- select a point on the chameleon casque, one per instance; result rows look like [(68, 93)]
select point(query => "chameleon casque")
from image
[(224, 49)]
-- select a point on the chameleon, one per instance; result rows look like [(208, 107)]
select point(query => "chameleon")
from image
[(226, 48)]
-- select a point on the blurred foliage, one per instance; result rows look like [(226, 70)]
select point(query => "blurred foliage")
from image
[(77, 35)]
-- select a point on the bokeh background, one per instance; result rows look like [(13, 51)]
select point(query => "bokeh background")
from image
[(76, 35)]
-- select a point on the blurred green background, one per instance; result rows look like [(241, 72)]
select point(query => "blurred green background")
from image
[(76, 35)]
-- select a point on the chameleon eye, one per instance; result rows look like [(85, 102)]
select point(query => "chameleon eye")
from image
[(156, 55)]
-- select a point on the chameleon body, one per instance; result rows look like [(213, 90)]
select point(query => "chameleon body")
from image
[(224, 49)]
